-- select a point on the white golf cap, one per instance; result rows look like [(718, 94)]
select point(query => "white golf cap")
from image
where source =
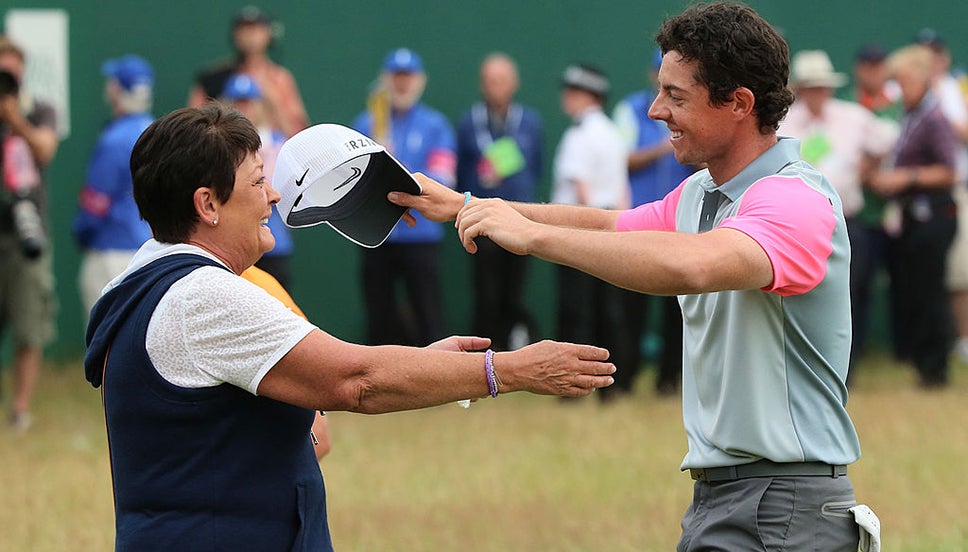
[(332, 174)]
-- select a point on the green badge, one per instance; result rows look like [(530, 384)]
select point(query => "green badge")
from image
[(814, 148), (505, 157)]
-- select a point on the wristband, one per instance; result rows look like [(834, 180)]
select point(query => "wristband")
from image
[(467, 198), (489, 372)]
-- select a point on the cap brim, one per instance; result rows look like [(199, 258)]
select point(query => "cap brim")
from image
[(364, 215)]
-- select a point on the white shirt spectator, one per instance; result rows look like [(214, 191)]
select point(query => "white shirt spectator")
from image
[(592, 152)]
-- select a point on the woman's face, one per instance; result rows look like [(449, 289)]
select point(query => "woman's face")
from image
[(914, 84), (243, 219)]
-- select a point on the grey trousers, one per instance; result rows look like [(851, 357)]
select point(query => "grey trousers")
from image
[(771, 514)]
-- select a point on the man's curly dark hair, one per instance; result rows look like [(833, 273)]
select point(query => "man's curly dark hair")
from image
[(734, 48)]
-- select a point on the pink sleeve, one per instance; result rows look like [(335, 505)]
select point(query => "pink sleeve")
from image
[(658, 215), (794, 224)]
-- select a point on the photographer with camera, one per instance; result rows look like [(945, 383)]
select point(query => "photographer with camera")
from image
[(29, 141)]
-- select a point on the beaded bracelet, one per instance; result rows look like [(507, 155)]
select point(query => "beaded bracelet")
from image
[(489, 372)]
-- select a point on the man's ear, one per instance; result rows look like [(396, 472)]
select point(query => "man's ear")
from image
[(743, 101)]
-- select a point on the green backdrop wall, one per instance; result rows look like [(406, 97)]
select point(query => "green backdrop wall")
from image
[(334, 50)]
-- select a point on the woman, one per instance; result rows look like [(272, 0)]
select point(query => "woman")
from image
[(210, 384), (922, 171)]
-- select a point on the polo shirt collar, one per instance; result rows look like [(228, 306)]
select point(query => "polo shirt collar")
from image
[(785, 151)]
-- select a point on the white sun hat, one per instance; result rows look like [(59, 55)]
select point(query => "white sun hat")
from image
[(812, 68)]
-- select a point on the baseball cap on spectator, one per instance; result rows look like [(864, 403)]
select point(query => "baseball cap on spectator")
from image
[(129, 71), (251, 15), (403, 60), (870, 53), (930, 38), (241, 87), (585, 77)]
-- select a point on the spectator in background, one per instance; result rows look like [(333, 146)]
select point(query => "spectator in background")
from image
[(244, 94), (873, 88), (499, 154), (841, 139), (590, 170), (108, 227), (252, 35), (881, 95), (919, 178), (422, 140), (954, 107), (28, 132), (653, 173)]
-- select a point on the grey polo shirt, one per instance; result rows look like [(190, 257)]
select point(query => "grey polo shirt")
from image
[(764, 370)]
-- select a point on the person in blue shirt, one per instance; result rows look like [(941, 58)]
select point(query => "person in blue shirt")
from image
[(107, 226), (422, 140), (499, 154), (653, 173), (244, 94)]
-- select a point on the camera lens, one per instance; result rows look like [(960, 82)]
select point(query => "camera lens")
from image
[(8, 83), (29, 227)]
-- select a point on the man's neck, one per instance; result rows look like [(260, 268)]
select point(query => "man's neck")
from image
[(585, 110), (402, 110), (498, 110), (740, 156), (254, 61)]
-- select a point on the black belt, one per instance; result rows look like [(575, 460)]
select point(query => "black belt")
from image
[(765, 468)]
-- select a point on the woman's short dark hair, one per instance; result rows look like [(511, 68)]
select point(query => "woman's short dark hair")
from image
[(187, 149), (734, 48)]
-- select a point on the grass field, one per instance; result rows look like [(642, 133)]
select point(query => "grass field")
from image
[(520, 473)]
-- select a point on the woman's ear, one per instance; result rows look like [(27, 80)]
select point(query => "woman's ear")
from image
[(206, 205)]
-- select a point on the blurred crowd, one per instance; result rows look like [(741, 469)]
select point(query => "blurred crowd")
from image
[(889, 133)]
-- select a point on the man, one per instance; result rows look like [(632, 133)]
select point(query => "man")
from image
[(499, 154), (252, 36), (843, 140), (653, 173), (107, 226), (873, 87), (590, 170), (422, 140), (27, 302), (876, 91), (756, 247)]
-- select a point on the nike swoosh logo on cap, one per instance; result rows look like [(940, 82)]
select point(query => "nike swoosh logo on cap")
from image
[(356, 174), (300, 180)]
